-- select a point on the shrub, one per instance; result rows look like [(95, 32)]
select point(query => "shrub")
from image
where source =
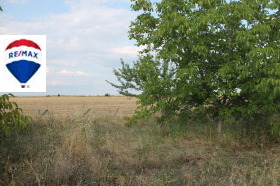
[(11, 116)]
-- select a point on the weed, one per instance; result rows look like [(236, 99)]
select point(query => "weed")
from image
[(91, 149)]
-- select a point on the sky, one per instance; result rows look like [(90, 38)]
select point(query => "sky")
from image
[(85, 40)]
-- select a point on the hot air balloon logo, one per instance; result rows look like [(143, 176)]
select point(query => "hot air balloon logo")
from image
[(23, 59)]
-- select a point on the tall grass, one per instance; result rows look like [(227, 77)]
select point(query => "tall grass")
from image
[(101, 150)]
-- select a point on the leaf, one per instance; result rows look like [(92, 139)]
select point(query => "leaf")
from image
[(222, 56)]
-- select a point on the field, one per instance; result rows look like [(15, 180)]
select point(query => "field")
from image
[(72, 145), (67, 106)]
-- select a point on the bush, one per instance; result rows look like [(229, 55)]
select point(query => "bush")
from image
[(11, 116)]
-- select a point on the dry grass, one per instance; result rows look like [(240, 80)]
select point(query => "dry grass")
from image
[(99, 149), (66, 105)]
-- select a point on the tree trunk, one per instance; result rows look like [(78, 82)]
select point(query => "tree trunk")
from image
[(220, 124)]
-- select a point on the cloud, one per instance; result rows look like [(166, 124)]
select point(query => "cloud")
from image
[(76, 73), (91, 37), (127, 50), (57, 82)]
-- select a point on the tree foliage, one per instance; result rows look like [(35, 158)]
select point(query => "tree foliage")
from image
[(11, 117), (217, 59)]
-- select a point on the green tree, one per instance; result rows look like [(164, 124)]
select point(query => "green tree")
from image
[(214, 59)]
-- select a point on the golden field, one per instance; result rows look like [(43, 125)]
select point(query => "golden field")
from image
[(68, 105)]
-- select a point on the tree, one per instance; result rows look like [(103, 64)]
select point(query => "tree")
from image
[(214, 59)]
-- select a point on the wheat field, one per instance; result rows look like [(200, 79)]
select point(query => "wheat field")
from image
[(68, 105)]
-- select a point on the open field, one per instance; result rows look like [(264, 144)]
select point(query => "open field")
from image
[(67, 105), (98, 149)]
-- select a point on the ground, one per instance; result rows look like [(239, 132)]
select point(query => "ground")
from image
[(72, 145)]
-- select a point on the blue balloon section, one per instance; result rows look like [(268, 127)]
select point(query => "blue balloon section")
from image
[(23, 70)]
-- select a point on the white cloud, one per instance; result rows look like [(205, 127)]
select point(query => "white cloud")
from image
[(57, 82), (127, 50), (66, 72), (76, 73), (80, 73)]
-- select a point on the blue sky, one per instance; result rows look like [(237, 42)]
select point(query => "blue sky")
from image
[(85, 40)]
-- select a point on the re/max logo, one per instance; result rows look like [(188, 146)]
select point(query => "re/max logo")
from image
[(23, 53)]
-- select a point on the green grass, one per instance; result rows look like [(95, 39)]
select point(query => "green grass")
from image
[(101, 150)]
